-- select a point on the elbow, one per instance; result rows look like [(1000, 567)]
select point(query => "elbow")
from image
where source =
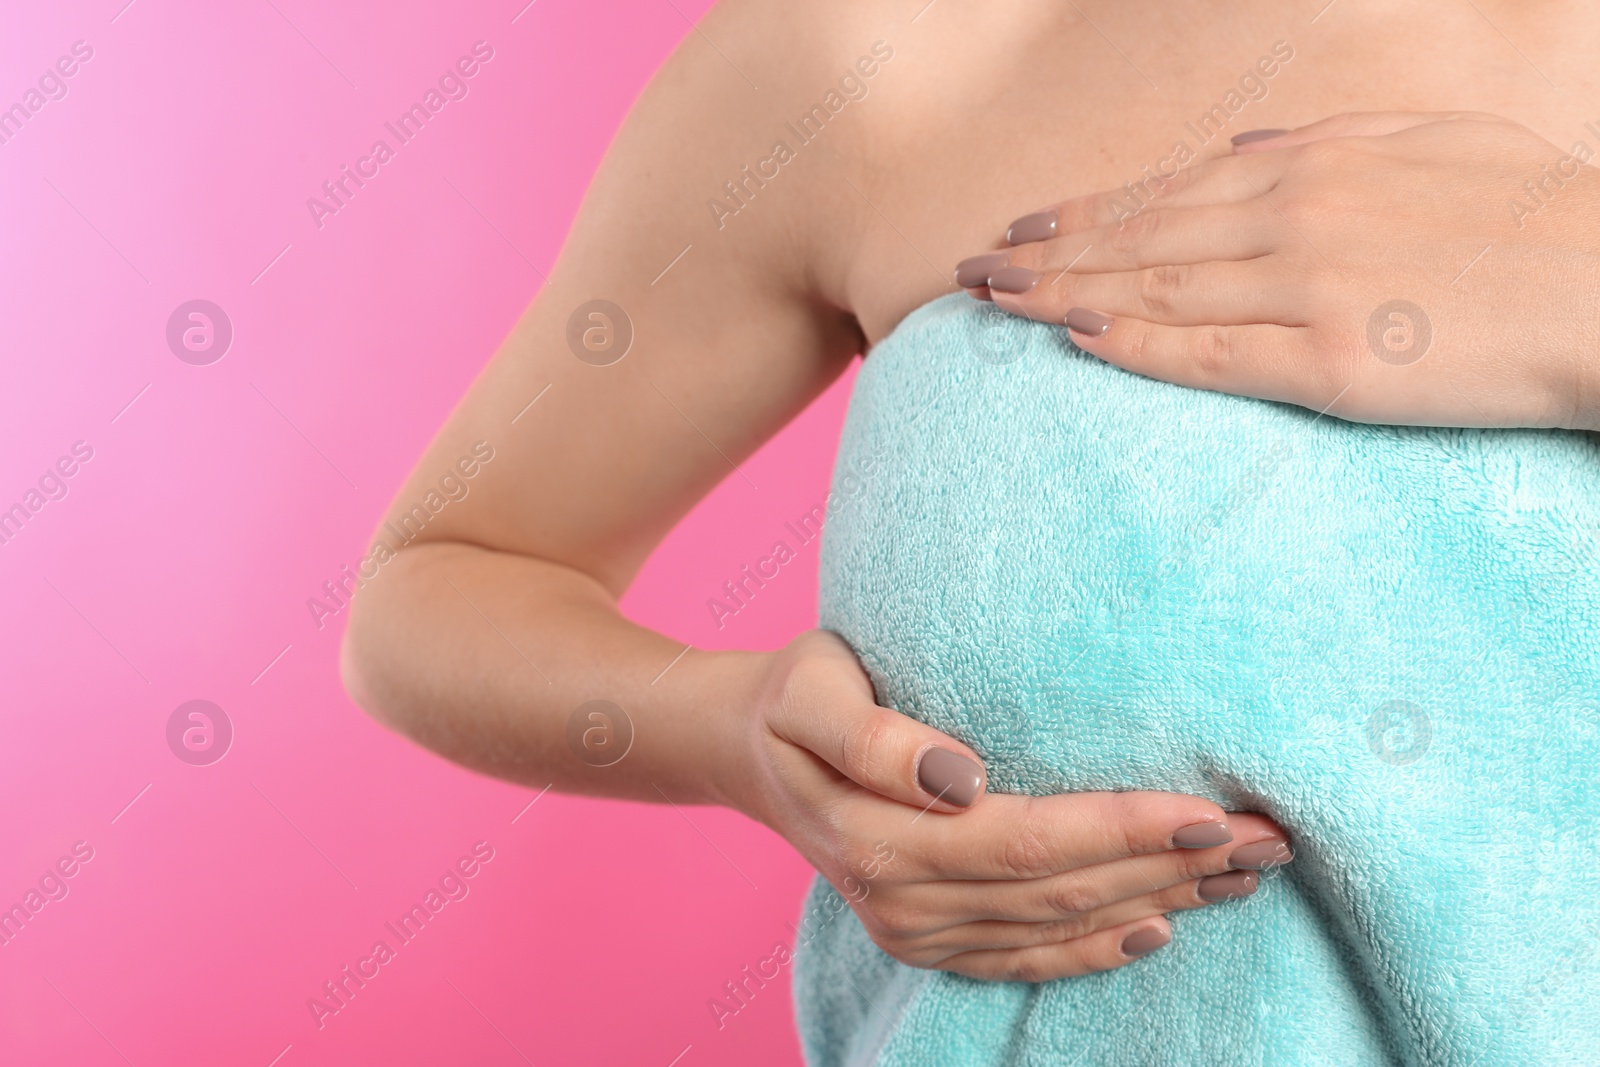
[(356, 664), (389, 658), (366, 662), (355, 668)]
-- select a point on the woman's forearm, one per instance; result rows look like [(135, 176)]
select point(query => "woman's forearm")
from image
[(486, 657)]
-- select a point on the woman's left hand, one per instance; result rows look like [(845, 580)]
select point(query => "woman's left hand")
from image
[(1436, 269)]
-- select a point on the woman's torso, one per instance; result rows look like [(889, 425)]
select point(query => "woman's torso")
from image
[(1384, 638)]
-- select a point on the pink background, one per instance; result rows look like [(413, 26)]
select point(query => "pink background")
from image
[(221, 897)]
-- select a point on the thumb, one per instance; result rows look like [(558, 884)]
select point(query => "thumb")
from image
[(827, 707), (1349, 124)]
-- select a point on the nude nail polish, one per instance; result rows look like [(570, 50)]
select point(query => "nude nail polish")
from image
[(1089, 323), (1143, 942), (1039, 226), (1231, 886), (1261, 856), (1202, 835), (1013, 280), (1251, 136), (950, 776), (974, 270)]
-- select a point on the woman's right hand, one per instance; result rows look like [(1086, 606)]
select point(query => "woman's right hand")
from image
[(944, 875)]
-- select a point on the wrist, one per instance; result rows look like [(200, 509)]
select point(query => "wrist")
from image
[(727, 687)]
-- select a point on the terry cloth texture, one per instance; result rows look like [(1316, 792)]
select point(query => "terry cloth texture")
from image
[(1384, 638)]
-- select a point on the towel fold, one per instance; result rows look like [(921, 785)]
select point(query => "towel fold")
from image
[(1384, 638)]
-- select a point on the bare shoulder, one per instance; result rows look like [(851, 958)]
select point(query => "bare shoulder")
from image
[(814, 145), (783, 89)]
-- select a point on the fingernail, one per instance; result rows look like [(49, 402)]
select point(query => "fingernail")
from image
[(1039, 226), (1013, 280), (1250, 136), (974, 270), (950, 776), (1141, 942), (1230, 886), (1202, 835), (1260, 856), (1089, 323)]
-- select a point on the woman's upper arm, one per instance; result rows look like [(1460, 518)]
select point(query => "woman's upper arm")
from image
[(730, 338)]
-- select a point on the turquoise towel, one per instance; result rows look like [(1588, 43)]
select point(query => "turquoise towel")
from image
[(1383, 638)]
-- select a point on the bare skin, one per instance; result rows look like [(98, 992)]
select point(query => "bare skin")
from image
[(485, 632)]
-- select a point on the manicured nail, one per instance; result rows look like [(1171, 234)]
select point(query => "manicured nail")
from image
[(974, 270), (1013, 280), (1251, 136), (1089, 323), (1230, 886), (950, 776), (1202, 835), (1142, 942), (1260, 856), (1039, 226)]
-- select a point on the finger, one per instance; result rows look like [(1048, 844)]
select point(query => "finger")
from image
[(1270, 362), (981, 936), (1227, 180), (1349, 124), (1258, 845), (1015, 837), (1104, 950), (1158, 237), (1227, 294), (826, 707)]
